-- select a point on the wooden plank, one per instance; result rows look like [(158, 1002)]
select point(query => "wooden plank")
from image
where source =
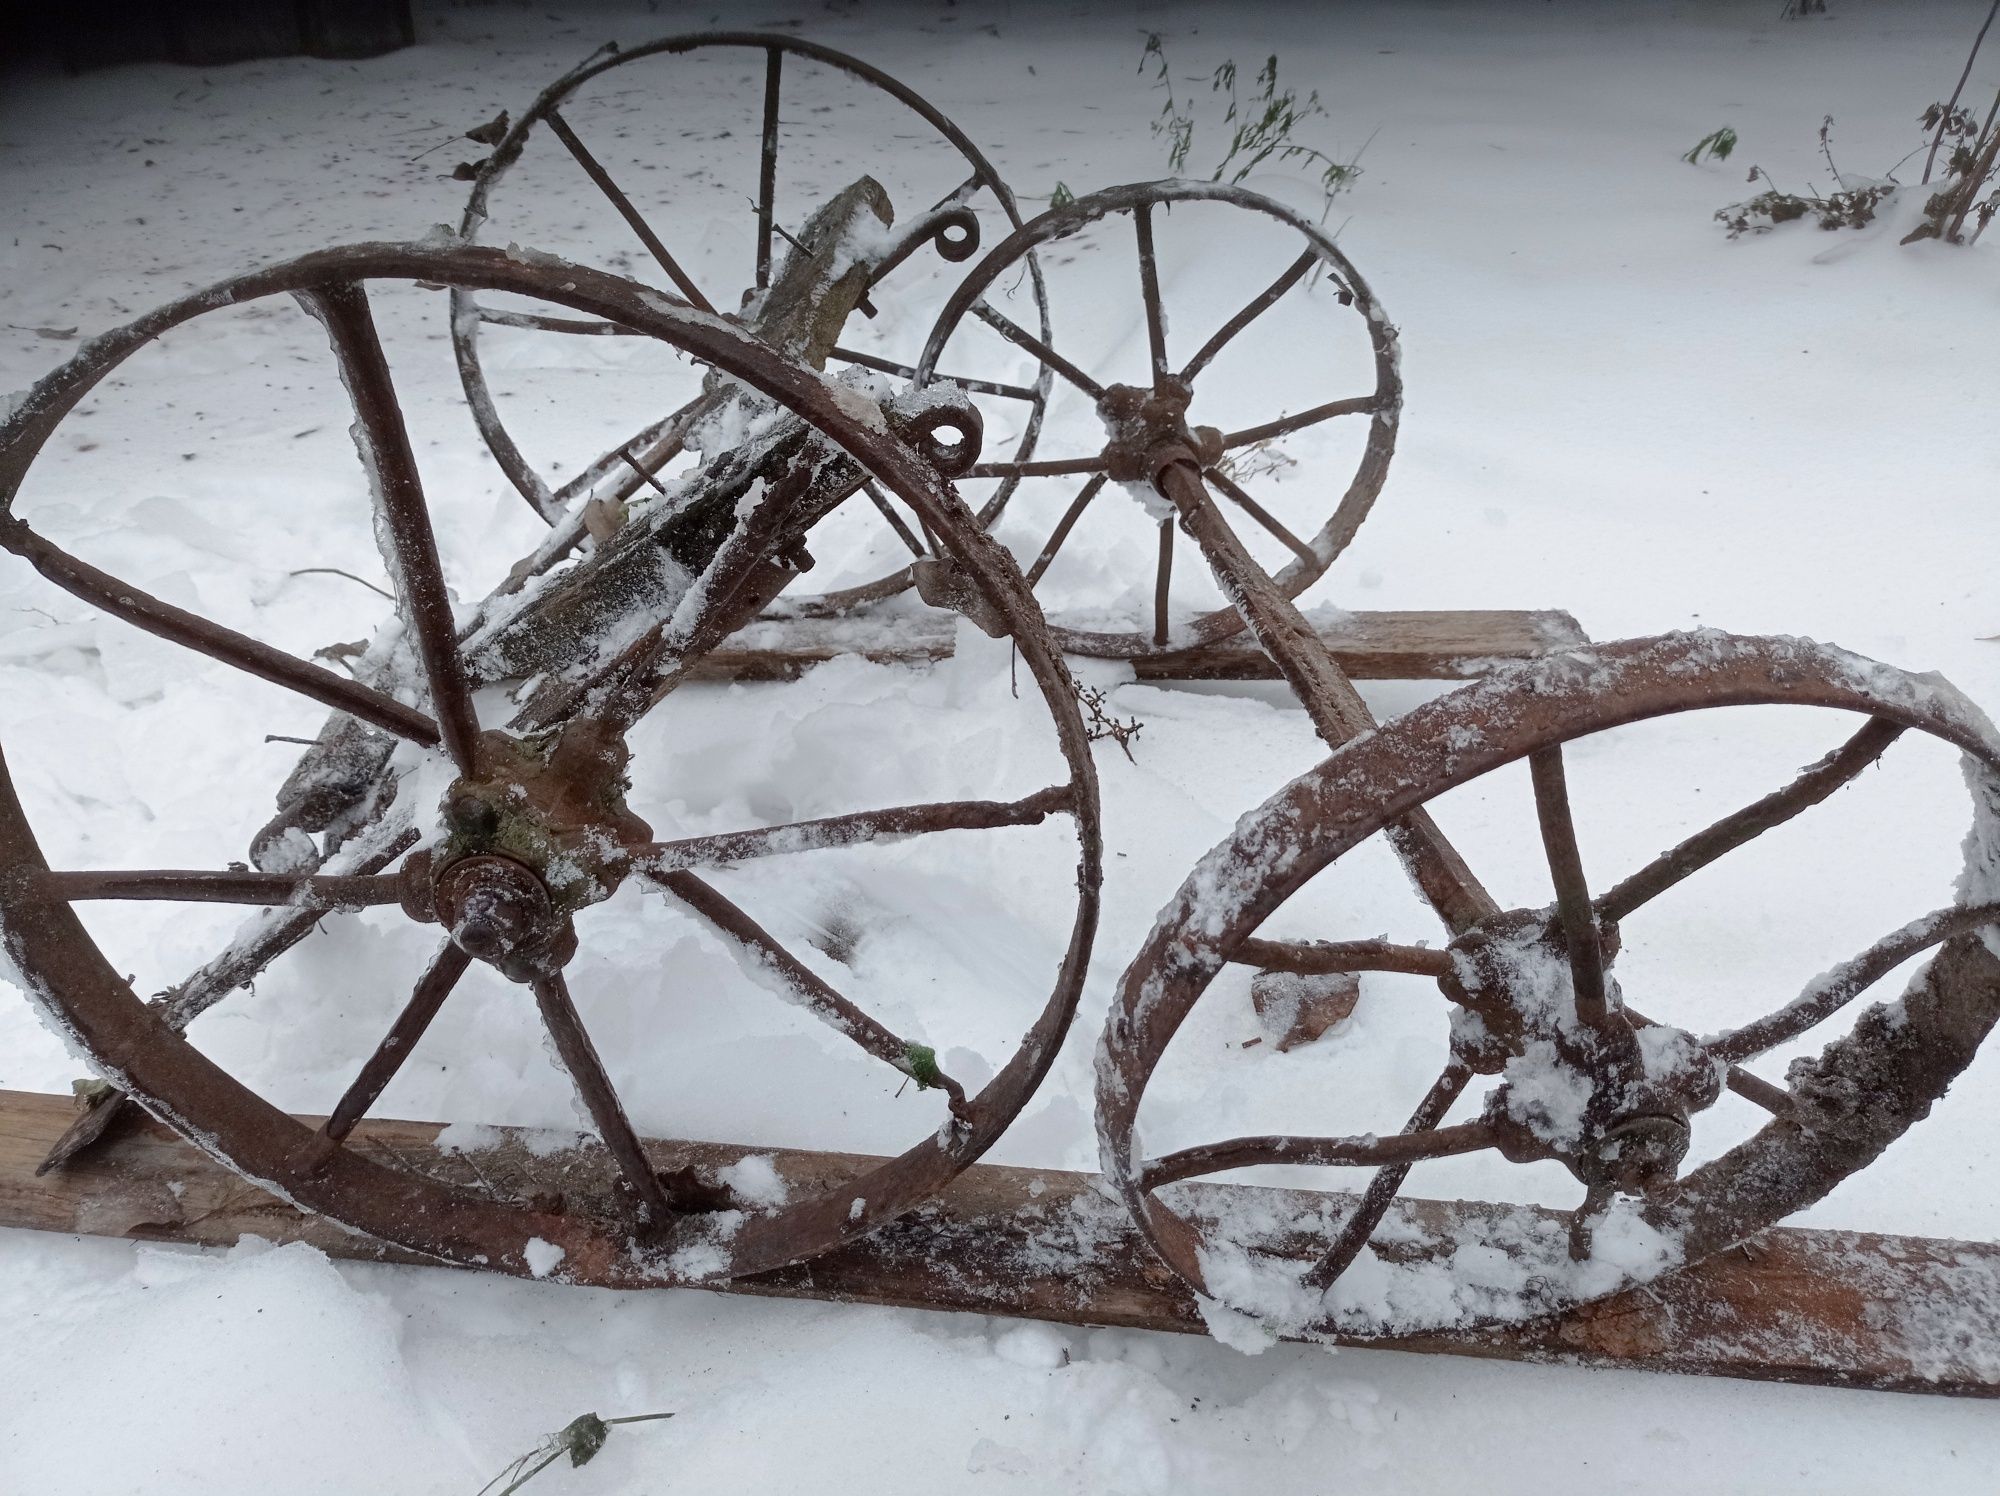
[(1832, 1308), (1450, 645)]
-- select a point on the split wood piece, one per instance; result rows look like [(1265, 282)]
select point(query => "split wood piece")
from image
[(1447, 645), (1827, 1308)]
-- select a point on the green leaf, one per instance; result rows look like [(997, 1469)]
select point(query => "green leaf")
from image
[(1716, 145), (920, 1064)]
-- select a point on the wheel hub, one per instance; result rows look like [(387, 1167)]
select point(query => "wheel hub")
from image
[(1147, 429), (539, 835), (496, 910), (1609, 1099), (1638, 1153)]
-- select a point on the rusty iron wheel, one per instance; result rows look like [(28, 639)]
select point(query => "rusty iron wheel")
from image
[(1139, 418), (534, 828), (1839, 1112), (611, 477)]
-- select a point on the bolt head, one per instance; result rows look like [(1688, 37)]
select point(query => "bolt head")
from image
[(1639, 1154), (472, 815), (490, 925), (494, 907)]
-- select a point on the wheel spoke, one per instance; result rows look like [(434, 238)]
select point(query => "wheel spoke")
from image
[(1811, 787), (905, 371), (1387, 1183), (657, 445), (643, 476), (384, 443), (811, 990), (930, 536), (1064, 525), (380, 1068), (1579, 920), (1018, 335), (1256, 308), (178, 626), (1760, 1092), (896, 521), (1752, 1088), (1286, 425), (263, 940), (1364, 1151), (1831, 991), (1325, 957), (1262, 515), (1149, 288), (1056, 467), (1161, 579), (586, 1071), (662, 442), (767, 165), (269, 939), (862, 827), (579, 327), (199, 886), (596, 172)]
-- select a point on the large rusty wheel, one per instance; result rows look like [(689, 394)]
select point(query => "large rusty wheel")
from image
[(523, 827), (596, 93), (1584, 1078), (1180, 386)]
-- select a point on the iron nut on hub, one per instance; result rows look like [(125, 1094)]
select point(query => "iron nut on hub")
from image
[(495, 909), (1636, 1154)]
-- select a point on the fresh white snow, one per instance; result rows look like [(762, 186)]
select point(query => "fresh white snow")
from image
[(1611, 409), (543, 1256)]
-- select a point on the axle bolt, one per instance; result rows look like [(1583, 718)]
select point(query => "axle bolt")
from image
[(1638, 1154), (493, 906), (472, 815)]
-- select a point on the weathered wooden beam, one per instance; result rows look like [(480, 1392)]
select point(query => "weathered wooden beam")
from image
[(1452, 645), (1833, 1308)]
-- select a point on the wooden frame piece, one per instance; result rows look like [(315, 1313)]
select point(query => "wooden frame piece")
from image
[(1441, 645), (1828, 1308)]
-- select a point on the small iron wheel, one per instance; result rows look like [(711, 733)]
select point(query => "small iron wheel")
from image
[(576, 109), (1584, 1077), (525, 827), (1168, 403)]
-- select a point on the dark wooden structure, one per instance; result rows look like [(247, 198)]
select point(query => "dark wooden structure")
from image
[(91, 34)]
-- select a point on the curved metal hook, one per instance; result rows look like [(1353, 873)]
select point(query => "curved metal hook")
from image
[(954, 230)]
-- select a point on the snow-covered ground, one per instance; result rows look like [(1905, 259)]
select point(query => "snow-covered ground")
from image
[(1612, 409)]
